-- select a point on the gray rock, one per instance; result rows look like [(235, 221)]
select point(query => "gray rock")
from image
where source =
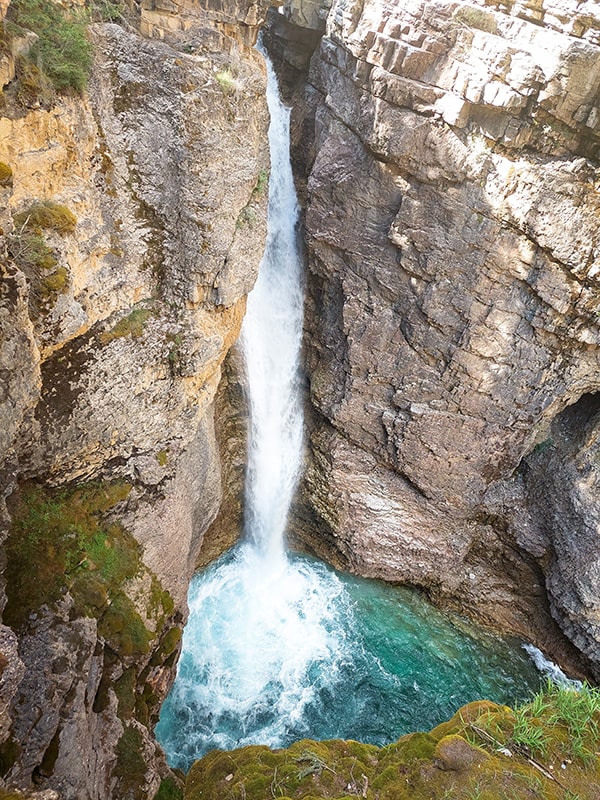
[(452, 312), (109, 370)]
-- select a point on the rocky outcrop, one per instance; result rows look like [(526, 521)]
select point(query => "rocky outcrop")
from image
[(231, 428), (133, 221), (452, 316)]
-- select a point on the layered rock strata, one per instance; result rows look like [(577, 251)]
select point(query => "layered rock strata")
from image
[(452, 313), (134, 221)]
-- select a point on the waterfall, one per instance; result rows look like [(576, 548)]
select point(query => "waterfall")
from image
[(280, 647), (261, 628), (271, 339)]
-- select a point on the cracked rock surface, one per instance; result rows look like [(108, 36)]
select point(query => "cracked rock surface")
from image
[(452, 222)]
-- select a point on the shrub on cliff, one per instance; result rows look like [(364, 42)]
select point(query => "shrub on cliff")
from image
[(62, 51), (46, 215)]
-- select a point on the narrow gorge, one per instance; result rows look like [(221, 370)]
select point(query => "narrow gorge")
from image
[(446, 160)]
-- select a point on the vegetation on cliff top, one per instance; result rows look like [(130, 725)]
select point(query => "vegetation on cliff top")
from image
[(62, 51), (60, 58), (546, 749)]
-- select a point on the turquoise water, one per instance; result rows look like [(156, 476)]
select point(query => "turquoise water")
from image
[(275, 652)]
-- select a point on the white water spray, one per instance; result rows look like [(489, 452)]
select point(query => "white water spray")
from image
[(261, 628)]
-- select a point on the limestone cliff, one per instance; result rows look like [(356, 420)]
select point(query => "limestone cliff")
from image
[(451, 158), (133, 220)]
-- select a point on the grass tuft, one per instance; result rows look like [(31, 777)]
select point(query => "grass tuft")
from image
[(131, 325), (227, 81)]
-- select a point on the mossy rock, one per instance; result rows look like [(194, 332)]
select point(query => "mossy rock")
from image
[(477, 18), (467, 714), (124, 689), (59, 542), (169, 789), (162, 457), (55, 283), (30, 252), (33, 89), (123, 628), (6, 174), (130, 767), (46, 215), (132, 325), (452, 752), (460, 759), (168, 644)]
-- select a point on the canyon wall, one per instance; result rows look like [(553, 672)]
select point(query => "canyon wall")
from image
[(449, 160), (133, 221)]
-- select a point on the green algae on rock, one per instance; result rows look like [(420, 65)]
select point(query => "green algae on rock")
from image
[(476, 754)]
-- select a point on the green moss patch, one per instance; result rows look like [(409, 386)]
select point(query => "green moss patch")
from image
[(475, 17), (32, 88), (61, 541), (30, 253), (130, 768), (131, 325), (46, 215), (262, 182), (169, 789), (168, 644), (6, 174), (28, 249), (482, 753), (162, 457)]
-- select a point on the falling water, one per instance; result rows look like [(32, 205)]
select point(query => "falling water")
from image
[(281, 647), (271, 339)]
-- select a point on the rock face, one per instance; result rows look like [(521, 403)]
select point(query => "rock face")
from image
[(452, 314), (134, 222)]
